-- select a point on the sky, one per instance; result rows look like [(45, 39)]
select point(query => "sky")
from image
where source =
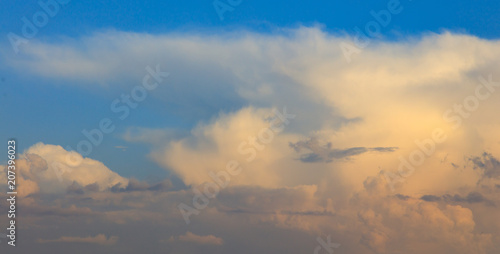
[(252, 126)]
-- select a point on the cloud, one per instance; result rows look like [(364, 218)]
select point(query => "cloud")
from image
[(76, 188), (430, 198), (123, 148), (54, 210), (230, 137), (380, 108), (488, 163), (52, 169), (326, 153), (472, 197), (135, 185), (299, 199), (197, 239), (100, 239), (383, 218)]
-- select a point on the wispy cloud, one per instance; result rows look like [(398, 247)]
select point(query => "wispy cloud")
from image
[(326, 153), (197, 239), (100, 239)]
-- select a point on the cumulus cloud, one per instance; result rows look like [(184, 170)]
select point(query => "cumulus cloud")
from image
[(361, 118), (383, 218), (52, 169), (231, 137)]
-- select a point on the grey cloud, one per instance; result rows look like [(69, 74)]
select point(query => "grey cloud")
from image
[(402, 197), (286, 212), (488, 163), (471, 198), (325, 153), (76, 188), (430, 198)]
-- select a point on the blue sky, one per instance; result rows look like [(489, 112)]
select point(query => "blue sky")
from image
[(77, 19), (479, 17)]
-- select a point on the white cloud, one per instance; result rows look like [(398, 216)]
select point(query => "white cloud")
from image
[(52, 169)]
